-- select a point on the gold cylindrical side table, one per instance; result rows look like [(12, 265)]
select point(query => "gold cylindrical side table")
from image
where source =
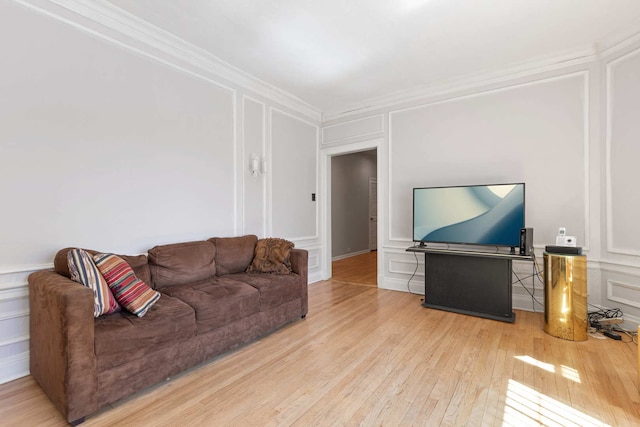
[(565, 296)]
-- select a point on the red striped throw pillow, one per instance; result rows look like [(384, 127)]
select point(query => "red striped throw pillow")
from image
[(83, 270), (131, 292)]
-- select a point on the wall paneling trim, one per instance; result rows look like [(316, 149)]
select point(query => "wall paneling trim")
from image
[(622, 153)]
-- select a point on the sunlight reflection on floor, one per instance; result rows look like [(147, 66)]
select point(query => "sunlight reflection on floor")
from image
[(531, 361), (526, 407), (567, 372), (570, 374)]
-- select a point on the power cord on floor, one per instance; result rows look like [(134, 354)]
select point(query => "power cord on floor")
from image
[(596, 322), (633, 336), (603, 313)]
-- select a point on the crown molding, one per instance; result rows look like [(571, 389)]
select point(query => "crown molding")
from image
[(620, 42), (611, 45), (466, 83), (154, 39)]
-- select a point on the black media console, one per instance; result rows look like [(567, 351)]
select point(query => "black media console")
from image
[(468, 282)]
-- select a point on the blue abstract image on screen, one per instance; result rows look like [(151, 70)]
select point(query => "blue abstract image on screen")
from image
[(482, 214)]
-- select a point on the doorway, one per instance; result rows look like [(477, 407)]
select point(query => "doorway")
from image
[(353, 217)]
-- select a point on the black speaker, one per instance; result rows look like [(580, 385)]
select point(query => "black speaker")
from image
[(566, 250), (526, 241)]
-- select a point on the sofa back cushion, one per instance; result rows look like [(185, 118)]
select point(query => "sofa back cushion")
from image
[(234, 254), (138, 263), (182, 263)]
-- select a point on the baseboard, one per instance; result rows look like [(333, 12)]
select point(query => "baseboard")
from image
[(525, 303), (350, 254), (416, 286), (314, 277), (14, 367)]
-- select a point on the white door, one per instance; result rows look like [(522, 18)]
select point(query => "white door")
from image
[(373, 214)]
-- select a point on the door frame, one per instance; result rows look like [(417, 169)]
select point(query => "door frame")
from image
[(372, 181), (325, 196)]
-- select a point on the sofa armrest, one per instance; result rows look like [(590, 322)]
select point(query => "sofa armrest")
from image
[(300, 262), (300, 265), (61, 344)]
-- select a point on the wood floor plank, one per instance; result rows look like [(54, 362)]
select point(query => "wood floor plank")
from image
[(369, 356), (360, 269)]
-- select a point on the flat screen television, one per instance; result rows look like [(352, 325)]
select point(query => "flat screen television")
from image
[(490, 215)]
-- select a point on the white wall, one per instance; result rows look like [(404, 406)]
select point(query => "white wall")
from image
[(294, 177), (254, 138), (350, 174), (620, 264), (569, 132), (111, 144), (532, 133), (106, 149)]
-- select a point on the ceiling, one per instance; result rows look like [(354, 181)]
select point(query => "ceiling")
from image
[(336, 54)]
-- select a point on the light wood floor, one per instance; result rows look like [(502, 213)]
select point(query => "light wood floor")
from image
[(367, 356), (359, 269)]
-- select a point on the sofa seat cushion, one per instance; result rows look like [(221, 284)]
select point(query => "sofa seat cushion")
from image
[(121, 337), (217, 301), (274, 289)]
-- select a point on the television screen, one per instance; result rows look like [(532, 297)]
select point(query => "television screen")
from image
[(489, 215)]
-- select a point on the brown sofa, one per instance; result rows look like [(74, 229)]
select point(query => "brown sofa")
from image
[(208, 305)]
